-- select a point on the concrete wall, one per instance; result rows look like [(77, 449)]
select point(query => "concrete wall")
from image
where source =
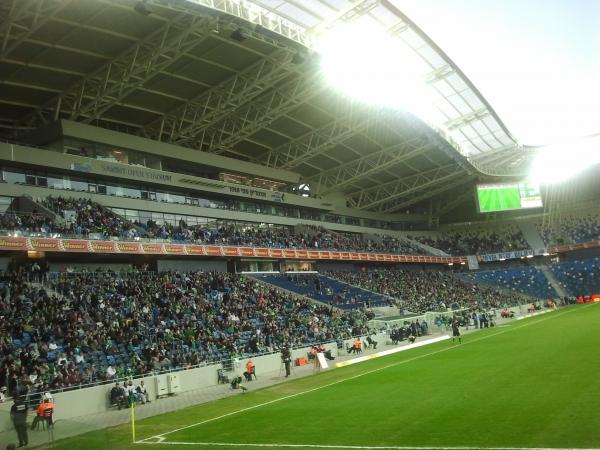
[(92, 400), (208, 265)]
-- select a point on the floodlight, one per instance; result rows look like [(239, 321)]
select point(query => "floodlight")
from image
[(559, 162), (366, 62)]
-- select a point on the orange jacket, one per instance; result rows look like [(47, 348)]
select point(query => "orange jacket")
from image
[(44, 406)]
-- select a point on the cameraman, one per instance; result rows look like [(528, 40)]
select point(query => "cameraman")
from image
[(286, 358)]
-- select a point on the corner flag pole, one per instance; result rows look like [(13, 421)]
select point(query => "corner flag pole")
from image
[(133, 421)]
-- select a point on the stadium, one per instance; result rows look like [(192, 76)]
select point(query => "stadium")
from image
[(309, 224)]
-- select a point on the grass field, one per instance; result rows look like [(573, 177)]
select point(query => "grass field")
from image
[(533, 383), (499, 199)]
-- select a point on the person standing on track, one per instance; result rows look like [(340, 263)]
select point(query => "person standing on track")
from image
[(18, 415), (456, 331)]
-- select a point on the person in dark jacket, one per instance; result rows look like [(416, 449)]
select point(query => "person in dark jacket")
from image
[(18, 416)]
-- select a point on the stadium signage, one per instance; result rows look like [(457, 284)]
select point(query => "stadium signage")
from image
[(70, 245), (137, 172), (13, 243), (512, 255), (152, 248), (45, 244), (22, 243)]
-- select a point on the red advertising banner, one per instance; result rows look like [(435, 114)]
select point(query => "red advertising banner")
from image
[(301, 254), (175, 249), (326, 255), (231, 251), (289, 254), (18, 243), (152, 248), (247, 251), (72, 245), (261, 252), (103, 247), (213, 251), (197, 250), (13, 243), (275, 252), (45, 245), (129, 247)]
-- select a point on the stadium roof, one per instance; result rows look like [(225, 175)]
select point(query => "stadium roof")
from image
[(216, 75)]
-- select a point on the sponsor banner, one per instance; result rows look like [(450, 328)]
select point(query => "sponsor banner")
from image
[(73, 245), (211, 250), (195, 250), (103, 247), (231, 251), (326, 255), (13, 243), (129, 247), (302, 254), (275, 252), (175, 249), (78, 245), (289, 253), (313, 254), (152, 248), (247, 251), (261, 252), (514, 255), (45, 245)]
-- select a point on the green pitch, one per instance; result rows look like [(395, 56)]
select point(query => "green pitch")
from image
[(533, 383), (499, 199)]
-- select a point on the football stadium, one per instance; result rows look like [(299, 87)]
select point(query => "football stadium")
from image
[(299, 224)]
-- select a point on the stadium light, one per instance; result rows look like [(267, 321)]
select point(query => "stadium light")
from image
[(559, 162), (367, 63)]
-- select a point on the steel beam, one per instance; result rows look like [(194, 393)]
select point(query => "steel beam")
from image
[(24, 18), (377, 195), (114, 80), (211, 106), (258, 114), (369, 165), (416, 197), (320, 140)]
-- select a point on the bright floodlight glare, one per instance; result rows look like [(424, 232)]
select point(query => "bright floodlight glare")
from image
[(556, 163), (368, 64)]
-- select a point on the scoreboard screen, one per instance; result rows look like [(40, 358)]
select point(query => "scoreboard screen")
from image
[(493, 197)]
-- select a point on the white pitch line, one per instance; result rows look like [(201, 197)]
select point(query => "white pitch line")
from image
[(356, 447), (160, 437)]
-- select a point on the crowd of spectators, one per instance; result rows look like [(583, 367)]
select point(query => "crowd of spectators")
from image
[(478, 241), (100, 326), (28, 223), (84, 216), (570, 229), (420, 291)]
